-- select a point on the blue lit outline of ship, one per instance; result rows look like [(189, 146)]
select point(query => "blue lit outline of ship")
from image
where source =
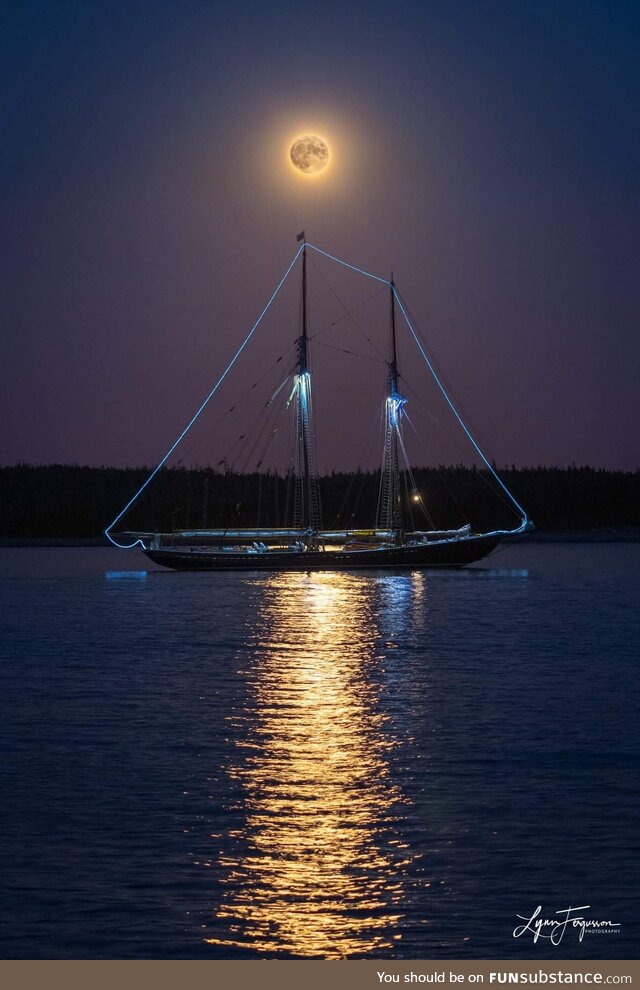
[(305, 545)]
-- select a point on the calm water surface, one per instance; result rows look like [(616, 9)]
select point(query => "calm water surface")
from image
[(317, 765)]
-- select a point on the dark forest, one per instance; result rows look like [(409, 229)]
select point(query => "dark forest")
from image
[(68, 501)]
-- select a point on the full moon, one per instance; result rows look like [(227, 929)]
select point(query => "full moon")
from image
[(309, 154)]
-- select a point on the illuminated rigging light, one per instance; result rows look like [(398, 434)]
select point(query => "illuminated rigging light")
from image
[(395, 404), (302, 383), (346, 264)]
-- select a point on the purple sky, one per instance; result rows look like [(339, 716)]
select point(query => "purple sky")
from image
[(488, 153)]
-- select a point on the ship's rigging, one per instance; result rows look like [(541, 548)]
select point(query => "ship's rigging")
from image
[(393, 539)]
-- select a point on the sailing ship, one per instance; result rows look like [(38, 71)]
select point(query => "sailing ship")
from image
[(304, 545)]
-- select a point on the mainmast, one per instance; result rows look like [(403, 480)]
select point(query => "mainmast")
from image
[(390, 514), (303, 339), (307, 496)]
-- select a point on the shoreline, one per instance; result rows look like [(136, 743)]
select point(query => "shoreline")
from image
[(539, 536)]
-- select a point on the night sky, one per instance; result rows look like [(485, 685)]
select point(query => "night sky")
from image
[(488, 153)]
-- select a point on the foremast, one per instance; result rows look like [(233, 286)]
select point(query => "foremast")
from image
[(306, 507), (390, 509)]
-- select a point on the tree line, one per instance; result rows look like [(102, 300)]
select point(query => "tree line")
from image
[(74, 501)]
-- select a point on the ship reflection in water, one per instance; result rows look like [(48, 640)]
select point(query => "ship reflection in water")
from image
[(317, 870)]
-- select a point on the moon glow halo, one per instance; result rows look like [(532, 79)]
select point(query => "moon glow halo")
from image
[(309, 154)]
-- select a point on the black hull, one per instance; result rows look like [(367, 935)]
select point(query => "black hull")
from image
[(451, 553)]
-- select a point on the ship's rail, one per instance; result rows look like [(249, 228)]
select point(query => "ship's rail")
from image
[(286, 537)]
